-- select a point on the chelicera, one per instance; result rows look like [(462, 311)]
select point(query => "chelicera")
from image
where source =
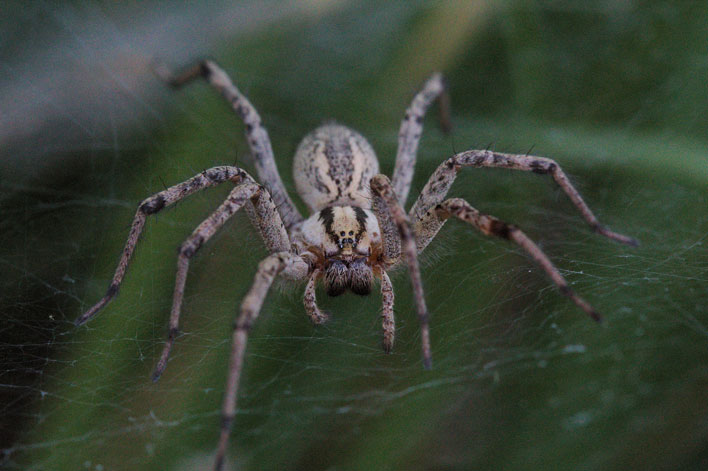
[(357, 230)]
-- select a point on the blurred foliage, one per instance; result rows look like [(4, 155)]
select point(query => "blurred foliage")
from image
[(614, 91)]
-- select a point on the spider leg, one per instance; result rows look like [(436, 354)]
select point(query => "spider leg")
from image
[(256, 134), (389, 231), (440, 181), (411, 129), (316, 315), (491, 226), (239, 196), (381, 187), (388, 321), (154, 204), (264, 216), (287, 264)]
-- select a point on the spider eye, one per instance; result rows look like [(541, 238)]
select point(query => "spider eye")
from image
[(361, 277), (336, 278)]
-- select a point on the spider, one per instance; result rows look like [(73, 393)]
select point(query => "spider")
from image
[(357, 230)]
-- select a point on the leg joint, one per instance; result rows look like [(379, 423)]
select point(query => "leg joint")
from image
[(454, 205), (205, 67), (452, 163), (227, 421), (240, 176), (153, 205), (190, 247), (542, 167), (244, 324), (500, 229), (219, 174), (112, 290)]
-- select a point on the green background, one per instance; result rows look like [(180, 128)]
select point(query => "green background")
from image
[(522, 379)]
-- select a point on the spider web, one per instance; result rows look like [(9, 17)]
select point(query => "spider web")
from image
[(521, 378)]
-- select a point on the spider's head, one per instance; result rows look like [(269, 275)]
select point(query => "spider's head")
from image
[(347, 254), (344, 236)]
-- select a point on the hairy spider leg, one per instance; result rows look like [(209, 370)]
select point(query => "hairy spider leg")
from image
[(390, 237), (411, 129), (381, 186), (310, 300), (442, 178), (387, 319), (256, 134), (286, 264), (275, 237), (491, 226), (391, 254), (152, 205)]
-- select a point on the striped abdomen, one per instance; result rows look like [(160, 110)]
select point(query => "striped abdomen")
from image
[(333, 166)]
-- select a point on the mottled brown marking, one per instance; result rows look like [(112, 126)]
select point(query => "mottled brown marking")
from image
[(499, 228), (153, 205)]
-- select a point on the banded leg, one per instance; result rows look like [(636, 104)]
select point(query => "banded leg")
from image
[(310, 300), (381, 186), (239, 196), (441, 180), (152, 205), (256, 134), (390, 237), (491, 226), (411, 129), (285, 263), (387, 318)]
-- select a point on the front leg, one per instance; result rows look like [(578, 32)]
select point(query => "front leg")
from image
[(261, 209), (441, 180), (287, 264), (153, 205), (411, 129), (389, 207), (316, 315), (387, 319), (491, 226)]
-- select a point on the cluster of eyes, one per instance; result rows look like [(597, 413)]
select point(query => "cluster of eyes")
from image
[(342, 241)]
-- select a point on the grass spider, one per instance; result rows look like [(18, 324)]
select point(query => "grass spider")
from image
[(357, 230)]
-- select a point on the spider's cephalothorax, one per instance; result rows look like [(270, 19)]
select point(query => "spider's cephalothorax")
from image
[(357, 229), (344, 242)]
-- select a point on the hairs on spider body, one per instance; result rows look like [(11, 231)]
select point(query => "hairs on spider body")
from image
[(357, 230)]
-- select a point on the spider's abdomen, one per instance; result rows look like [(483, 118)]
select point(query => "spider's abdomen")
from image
[(333, 167)]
